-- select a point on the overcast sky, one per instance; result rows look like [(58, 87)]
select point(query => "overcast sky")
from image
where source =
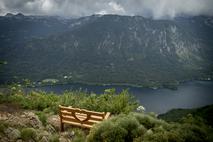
[(72, 8)]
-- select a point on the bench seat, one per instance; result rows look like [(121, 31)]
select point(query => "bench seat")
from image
[(80, 117)]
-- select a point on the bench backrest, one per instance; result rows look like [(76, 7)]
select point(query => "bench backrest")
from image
[(80, 117)]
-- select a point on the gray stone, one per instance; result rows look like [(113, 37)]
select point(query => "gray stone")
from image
[(33, 120), (54, 120), (44, 139), (50, 129), (12, 134), (68, 134), (4, 139), (61, 139)]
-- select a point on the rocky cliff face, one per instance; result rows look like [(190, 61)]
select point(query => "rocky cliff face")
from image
[(113, 49)]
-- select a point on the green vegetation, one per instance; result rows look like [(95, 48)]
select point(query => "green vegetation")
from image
[(42, 117), (3, 126), (28, 134), (54, 138), (48, 102), (80, 135), (176, 115), (142, 127), (125, 125), (103, 50)]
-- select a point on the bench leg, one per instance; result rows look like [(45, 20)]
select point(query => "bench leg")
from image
[(62, 127)]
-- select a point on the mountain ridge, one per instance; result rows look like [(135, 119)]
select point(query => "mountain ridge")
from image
[(117, 49)]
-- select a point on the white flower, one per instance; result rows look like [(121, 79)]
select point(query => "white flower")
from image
[(141, 109)]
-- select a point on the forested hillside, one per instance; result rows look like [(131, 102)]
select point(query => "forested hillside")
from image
[(106, 49)]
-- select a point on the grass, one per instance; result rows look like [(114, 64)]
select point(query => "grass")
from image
[(110, 101), (42, 117)]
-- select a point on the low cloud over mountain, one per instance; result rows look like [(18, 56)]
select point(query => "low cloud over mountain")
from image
[(75, 8)]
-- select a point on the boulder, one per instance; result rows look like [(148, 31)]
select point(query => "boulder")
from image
[(24, 119), (33, 120), (62, 139), (12, 133), (50, 129), (54, 120), (44, 139), (68, 135)]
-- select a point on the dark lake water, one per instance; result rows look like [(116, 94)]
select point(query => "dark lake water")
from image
[(189, 95)]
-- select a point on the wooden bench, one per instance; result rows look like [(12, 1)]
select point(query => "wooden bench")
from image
[(80, 117)]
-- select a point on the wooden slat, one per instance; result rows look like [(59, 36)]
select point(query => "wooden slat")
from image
[(78, 124), (92, 117), (107, 115), (90, 120), (76, 121), (80, 117), (96, 118), (70, 109)]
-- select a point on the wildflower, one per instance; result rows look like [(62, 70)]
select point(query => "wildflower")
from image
[(141, 109)]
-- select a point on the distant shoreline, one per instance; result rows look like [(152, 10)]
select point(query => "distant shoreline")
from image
[(175, 87)]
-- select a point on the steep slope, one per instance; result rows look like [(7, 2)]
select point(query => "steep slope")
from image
[(119, 49), (176, 115)]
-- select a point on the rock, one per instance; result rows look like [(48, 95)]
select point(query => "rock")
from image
[(68, 135), (16, 121), (33, 120), (24, 119), (12, 134), (43, 134), (4, 116), (54, 120), (44, 139), (4, 139), (61, 139), (50, 129), (15, 134)]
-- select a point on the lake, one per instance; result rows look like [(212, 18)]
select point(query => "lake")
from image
[(188, 95)]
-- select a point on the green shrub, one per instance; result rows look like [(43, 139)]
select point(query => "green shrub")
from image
[(5, 98), (108, 132), (148, 121), (120, 128), (108, 102), (42, 117), (194, 133), (28, 134), (3, 126), (131, 125), (79, 135), (54, 138), (35, 100), (162, 136)]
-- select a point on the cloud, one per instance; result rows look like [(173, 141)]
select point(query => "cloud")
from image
[(72, 8)]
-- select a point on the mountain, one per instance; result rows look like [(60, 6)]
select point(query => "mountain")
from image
[(176, 115), (106, 49)]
